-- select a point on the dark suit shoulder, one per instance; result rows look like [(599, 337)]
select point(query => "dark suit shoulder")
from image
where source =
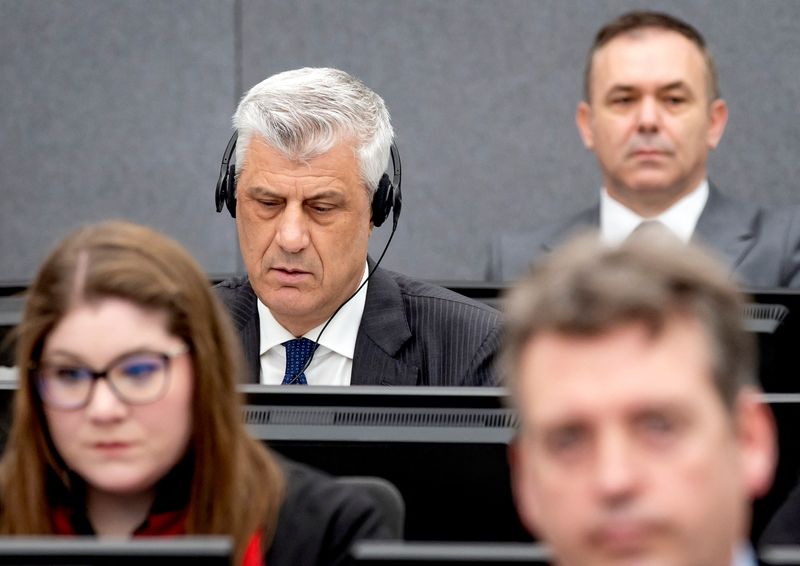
[(320, 519), (513, 253), (230, 288), (784, 527), (239, 298), (414, 289), (760, 244), (453, 339)]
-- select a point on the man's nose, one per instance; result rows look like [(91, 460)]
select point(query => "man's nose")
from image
[(292, 235), (649, 116), (617, 470)]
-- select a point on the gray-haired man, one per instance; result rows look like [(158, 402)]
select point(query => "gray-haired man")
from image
[(311, 151)]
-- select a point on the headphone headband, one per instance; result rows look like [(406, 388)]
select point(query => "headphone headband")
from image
[(387, 197)]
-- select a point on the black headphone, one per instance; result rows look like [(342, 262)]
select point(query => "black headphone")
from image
[(387, 196)]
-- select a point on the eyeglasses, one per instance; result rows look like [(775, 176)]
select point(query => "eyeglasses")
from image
[(136, 379)]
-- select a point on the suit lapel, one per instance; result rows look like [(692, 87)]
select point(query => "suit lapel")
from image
[(588, 219), (382, 334), (244, 313), (727, 226)]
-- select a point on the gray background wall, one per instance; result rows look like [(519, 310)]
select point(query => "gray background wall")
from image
[(116, 108)]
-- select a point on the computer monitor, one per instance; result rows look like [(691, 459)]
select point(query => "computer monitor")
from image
[(786, 409), (779, 555), (401, 553), (774, 316), (7, 390), (443, 447), (93, 551)]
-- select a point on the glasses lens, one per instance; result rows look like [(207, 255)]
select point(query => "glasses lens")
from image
[(140, 378), (64, 386)]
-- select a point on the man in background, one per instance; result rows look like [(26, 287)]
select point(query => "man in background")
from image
[(651, 113), (642, 437)]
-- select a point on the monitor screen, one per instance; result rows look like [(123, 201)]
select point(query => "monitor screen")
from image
[(774, 316), (444, 448), (400, 553), (779, 554), (92, 551)]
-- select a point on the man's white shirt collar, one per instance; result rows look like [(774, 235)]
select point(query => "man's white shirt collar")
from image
[(617, 221), (744, 555), (339, 337)]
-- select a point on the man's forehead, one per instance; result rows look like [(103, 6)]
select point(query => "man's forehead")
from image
[(628, 366), (338, 161), (341, 149), (651, 53)]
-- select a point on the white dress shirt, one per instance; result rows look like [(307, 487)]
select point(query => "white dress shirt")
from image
[(332, 363), (617, 221), (744, 556)]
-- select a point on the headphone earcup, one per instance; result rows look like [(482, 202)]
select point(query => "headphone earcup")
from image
[(221, 194), (225, 193), (230, 190), (382, 201)]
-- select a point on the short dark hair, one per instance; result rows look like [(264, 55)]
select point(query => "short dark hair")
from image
[(588, 289), (643, 19)]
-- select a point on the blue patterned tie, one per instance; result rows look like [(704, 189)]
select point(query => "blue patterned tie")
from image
[(297, 353)]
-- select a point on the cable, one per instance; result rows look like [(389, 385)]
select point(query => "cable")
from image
[(296, 376)]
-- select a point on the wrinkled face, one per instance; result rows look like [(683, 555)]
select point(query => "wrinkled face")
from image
[(627, 454), (649, 120), (303, 231), (117, 448)]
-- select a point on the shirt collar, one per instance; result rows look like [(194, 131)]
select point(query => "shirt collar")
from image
[(340, 335), (617, 221), (744, 555)]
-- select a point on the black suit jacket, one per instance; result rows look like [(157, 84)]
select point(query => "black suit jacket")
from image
[(784, 527), (411, 333), (760, 245), (320, 519)]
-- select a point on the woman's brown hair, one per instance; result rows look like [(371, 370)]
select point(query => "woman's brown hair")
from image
[(236, 486)]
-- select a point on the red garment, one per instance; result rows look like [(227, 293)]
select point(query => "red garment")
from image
[(165, 523), (253, 556)]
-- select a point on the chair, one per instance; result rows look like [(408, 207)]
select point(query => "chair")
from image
[(386, 496)]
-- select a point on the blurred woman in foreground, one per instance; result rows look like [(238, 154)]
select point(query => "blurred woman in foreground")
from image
[(127, 420)]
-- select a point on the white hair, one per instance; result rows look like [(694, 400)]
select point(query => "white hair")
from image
[(305, 112)]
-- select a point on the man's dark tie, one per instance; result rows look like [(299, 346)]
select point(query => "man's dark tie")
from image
[(297, 353)]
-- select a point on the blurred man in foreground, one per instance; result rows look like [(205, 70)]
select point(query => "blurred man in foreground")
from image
[(643, 438)]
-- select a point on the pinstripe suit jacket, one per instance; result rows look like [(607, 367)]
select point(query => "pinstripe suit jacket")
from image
[(760, 245), (411, 333)]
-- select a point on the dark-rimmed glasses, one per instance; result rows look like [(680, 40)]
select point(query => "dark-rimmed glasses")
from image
[(136, 378)]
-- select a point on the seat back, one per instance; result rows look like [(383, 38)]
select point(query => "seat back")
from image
[(385, 495)]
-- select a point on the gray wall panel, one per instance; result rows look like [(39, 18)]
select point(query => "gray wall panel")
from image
[(123, 109), (483, 96), (113, 109)]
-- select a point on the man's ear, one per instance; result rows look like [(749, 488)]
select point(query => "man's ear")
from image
[(757, 442), (521, 487), (718, 118), (583, 119)]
